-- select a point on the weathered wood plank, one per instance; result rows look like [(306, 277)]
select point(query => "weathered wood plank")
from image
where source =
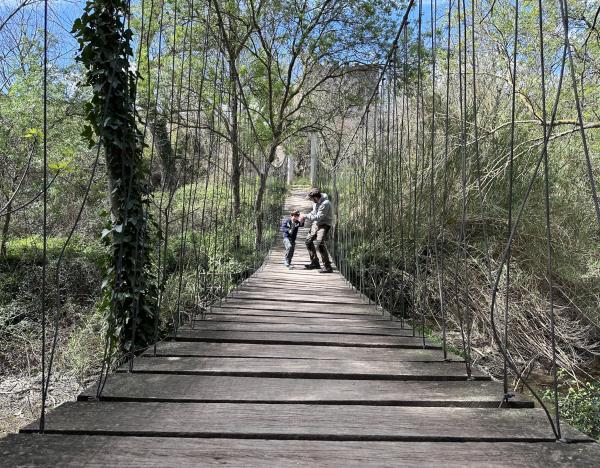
[(291, 313), (308, 279), (282, 289), (283, 293), (199, 349), (292, 296), (301, 255), (304, 368), (276, 272), (299, 306), (288, 421), (322, 339), (228, 389), (287, 284), (266, 276), (276, 256), (303, 295), (252, 327), (301, 320), (72, 451)]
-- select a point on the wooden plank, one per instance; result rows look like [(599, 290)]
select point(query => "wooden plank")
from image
[(253, 327), (291, 313), (292, 296), (311, 279), (301, 320), (304, 282), (283, 283), (199, 349), (228, 389), (272, 285), (72, 451), (304, 295), (275, 270), (282, 290), (299, 306), (276, 258), (278, 250), (304, 368), (306, 278), (322, 339), (274, 264), (289, 421)]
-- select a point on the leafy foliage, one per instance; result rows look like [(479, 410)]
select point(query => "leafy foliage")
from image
[(105, 50), (579, 404)]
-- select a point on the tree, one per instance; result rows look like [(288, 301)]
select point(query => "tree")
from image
[(105, 50), (234, 31), (294, 49)]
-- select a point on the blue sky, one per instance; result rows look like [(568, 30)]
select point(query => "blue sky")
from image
[(61, 15)]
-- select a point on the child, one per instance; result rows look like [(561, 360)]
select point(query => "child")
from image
[(289, 227)]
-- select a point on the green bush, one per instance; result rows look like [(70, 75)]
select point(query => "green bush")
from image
[(84, 347), (580, 405), (29, 249)]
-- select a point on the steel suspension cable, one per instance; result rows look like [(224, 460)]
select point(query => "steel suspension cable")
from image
[(445, 184), (140, 245), (547, 209), (461, 241), (510, 189), (45, 217)]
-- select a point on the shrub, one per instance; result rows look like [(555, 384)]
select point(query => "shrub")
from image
[(83, 349), (579, 405), (29, 249)]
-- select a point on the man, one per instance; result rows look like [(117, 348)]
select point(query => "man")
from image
[(322, 219)]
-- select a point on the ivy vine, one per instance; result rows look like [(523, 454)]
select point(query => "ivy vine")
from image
[(130, 290)]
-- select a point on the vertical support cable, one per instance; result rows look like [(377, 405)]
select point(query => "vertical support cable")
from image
[(45, 216), (510, 192), (445, 184), (564, 13), (461, 281)]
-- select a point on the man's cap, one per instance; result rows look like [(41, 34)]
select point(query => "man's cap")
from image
[(314, 192), (295, 212)]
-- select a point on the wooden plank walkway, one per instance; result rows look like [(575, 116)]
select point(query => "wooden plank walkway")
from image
[(296, 368)]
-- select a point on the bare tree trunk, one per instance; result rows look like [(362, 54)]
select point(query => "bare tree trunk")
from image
[(262, 188), (5, 228), (162, 142), (258, 208)]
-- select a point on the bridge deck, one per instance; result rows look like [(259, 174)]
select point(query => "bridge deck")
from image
[(296, 368)]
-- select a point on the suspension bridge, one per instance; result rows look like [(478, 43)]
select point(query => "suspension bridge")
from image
[(432, 187), (297, 368)]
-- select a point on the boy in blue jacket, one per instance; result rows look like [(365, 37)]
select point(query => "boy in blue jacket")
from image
[(289, 227)]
